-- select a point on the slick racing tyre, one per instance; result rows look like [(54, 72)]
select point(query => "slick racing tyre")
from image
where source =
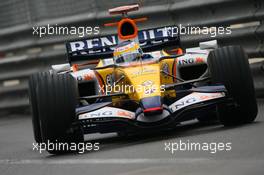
[(229, 66), (33, 81), (57, 100)]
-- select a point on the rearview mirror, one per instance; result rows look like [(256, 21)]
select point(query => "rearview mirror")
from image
[(61, 67), (208, 45)]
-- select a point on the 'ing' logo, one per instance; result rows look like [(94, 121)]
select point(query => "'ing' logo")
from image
[(183, 103), (186, 61), (101, 114)]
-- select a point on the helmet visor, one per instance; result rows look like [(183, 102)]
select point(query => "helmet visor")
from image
[(127, 58)]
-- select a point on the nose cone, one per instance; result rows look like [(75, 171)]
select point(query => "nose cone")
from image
[(147, 85), (151, 105), (145, 80)]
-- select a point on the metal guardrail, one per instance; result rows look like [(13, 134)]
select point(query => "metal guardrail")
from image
[(17, 39), (160, 13)]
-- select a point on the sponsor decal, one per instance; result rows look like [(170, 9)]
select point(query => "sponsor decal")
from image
[(150, 90), (186, 61), (165, 69), (107, 43), (147, 83), (109, 80), (194, 98), (145, 71), (125, 114), (108, 112), (83, 75), (149, 87), (86, 77), (199, 60)]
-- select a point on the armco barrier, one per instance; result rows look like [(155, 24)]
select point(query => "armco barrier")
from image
[(159, 13), (16, 38)]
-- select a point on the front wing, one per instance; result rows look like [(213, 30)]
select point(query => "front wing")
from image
[(102, 118)]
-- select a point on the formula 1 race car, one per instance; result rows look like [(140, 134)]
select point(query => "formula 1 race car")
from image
[(139, 81)]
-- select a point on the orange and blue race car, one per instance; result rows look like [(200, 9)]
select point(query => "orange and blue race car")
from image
[(138, 81)]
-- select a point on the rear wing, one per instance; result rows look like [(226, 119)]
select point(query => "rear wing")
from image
[(102, 47)]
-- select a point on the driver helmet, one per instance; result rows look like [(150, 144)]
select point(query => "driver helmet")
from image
[(127, 52)]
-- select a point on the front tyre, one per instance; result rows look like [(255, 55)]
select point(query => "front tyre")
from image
[(229, 66), (57, 100)]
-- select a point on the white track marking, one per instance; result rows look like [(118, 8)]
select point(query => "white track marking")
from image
[(103, 161)]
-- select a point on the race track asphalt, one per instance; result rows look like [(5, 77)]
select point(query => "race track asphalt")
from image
[(144, 154)]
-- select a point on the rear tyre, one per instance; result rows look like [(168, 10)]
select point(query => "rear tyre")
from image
[(229, 66), (57, 100)]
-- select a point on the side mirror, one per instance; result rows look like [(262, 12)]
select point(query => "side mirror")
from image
[(208, 45), (61, 67)]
